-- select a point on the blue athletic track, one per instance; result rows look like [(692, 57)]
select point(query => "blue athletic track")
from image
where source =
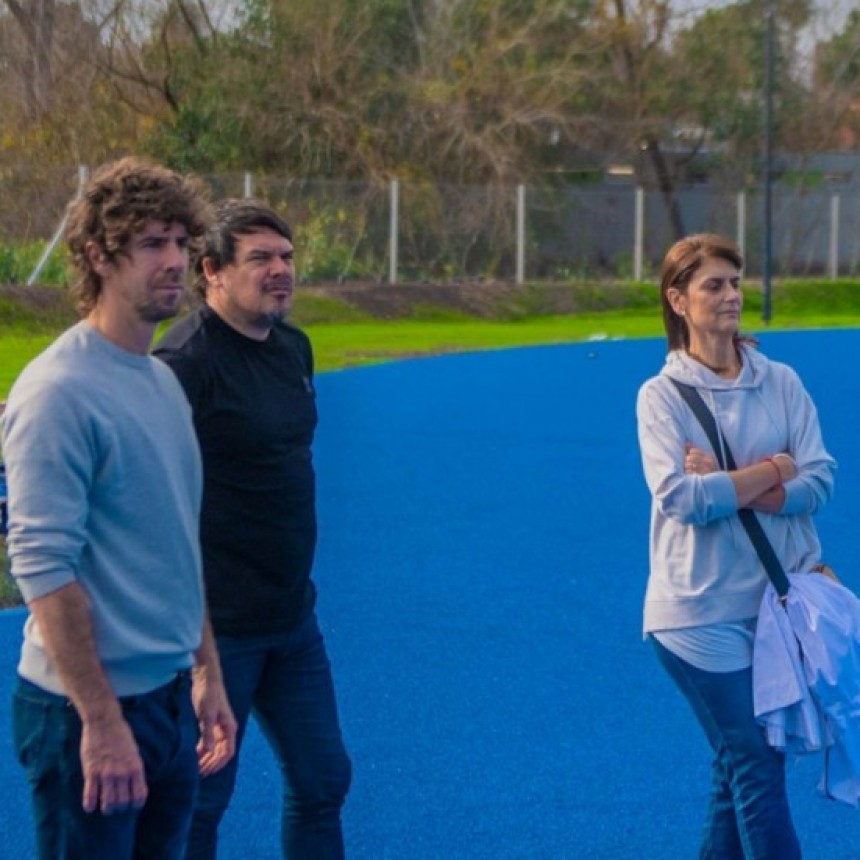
[(482, 560)]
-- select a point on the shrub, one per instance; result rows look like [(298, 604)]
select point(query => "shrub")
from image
[(17, 261)]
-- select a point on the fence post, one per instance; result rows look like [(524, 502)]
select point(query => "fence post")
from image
[(639, 234), (392, 238), (834, 236), (742, 222), (521, 233), (249, 184), (83, 176)]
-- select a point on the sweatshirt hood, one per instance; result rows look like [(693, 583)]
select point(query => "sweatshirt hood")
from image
[(681, 367)]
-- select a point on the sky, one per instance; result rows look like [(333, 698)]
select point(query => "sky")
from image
[(829, 14), (828, 19)]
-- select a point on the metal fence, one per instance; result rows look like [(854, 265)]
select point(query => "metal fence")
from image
[(401, 231)]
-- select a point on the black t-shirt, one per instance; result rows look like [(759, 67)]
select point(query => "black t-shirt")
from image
[(255, 415)]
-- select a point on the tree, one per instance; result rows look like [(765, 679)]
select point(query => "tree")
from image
[(147, 46), (295, 85), (836, 80), (631, 93), (59, 104), (35, 19), (837, 60), (494, 83), (467, 92)]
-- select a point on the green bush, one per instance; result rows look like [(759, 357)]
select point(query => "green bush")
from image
[(18, 260), (329, 246), (9, 594)]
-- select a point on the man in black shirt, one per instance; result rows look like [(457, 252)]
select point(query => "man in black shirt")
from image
[(249, 378)]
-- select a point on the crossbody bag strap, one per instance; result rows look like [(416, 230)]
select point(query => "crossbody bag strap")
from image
[(748, 519)]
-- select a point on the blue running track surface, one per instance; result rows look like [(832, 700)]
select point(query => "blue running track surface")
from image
[(482, 561)]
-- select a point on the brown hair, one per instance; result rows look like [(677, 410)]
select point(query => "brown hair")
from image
[(681, 262), (117, 202), (234, 217)]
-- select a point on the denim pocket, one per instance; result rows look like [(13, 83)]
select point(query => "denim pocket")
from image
[(38, 732)]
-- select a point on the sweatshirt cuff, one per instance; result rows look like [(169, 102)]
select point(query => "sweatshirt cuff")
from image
[(721, 495), (796, 498), (34, 586)]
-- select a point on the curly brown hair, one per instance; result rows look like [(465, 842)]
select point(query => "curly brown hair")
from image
[(117, 202), (681, 262)]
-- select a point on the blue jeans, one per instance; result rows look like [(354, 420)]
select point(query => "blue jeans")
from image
[(749, 818), (47, 738), (285, 679)]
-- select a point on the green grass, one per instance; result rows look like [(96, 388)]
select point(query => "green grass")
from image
[(341, 345), (345, 337), (337, 346), (16, 350), (796, 305)]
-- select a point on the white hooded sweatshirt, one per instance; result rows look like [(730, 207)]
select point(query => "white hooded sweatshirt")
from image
[(704, 569)]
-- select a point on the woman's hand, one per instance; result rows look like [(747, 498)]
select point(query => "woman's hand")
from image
[(748, 481), (699, 462), (786, 465), (772, 500)]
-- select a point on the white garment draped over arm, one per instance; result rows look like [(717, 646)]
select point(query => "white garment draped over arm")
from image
[(814, 702)]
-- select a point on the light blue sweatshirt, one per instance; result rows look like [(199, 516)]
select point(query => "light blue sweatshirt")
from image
[(104, 489), (704, 569)]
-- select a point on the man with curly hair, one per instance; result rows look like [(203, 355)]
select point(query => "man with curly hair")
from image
[(118, 677)]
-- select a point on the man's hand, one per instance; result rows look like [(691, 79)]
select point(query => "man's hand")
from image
[(217, 743), (114, 779)]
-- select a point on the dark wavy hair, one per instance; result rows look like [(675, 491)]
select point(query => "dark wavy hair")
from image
[(117, 202), (234, 217), (681, 262)]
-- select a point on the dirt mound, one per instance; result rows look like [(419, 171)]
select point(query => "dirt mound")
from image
[(485, 299), (36, 298), (43, 306), (387, 301), (490, 300), (36, 308)]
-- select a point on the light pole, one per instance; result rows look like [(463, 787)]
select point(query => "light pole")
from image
[(768, 163)]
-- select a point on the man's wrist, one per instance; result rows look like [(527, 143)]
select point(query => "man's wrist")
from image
[(102, 713)]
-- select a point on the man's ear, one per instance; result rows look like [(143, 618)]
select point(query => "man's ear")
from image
[(96, 257), (209, 271)]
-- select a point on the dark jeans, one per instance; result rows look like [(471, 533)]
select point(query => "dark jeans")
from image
[(749, 818), (47, 737), (285, 679)]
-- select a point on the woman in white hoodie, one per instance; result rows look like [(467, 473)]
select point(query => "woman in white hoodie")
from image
[(706, 581)]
